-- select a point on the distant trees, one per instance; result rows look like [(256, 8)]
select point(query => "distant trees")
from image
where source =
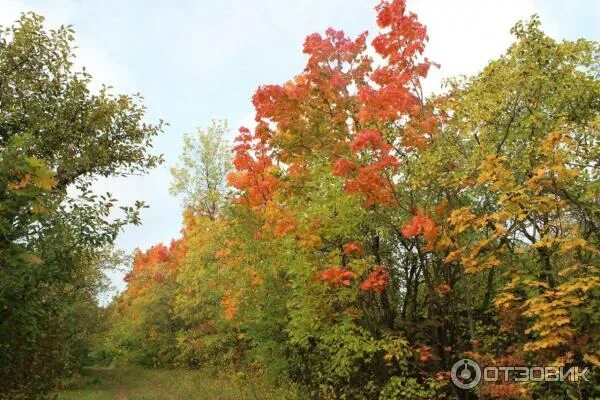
[(55, 138)]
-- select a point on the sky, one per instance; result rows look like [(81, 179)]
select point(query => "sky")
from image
[(194, 61)]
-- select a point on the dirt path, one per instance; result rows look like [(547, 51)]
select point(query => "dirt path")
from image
[(118, 388), (120, 392)]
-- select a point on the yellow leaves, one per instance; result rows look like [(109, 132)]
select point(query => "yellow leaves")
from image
[(538, 284), (592, 359), (574, 243), (545, 242), (490, 262), (551, 310), (504, 300), (225, 250), (479, 246), (557, 338), (43, 177), (583, 284), (473, 265), (551, 141), (32, 259), (278, 221), (45, 181), (309, 240), (37, 174), (453, 256), (38, 208), (255, 279), (492, 172), (462, 218)]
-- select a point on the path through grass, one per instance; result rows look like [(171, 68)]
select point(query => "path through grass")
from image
[(134, 383)]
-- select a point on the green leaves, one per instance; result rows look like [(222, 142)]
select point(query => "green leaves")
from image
[(56, 137)]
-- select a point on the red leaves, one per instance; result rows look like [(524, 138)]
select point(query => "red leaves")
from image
[(375, 188), (376, 281), (369, 137), (386, 12), (253, 173), (335, 46), (420, 224), (405, 36), (335, 276), (343, 168), (389, 102), (401, 45), (425, 353), (353, 247), (371, 180)]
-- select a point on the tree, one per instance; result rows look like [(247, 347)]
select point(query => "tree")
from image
[(201, 176), (56, 137), (522, 198)]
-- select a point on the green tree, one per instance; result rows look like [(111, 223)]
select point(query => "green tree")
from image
[(200, 177), (56, 137)]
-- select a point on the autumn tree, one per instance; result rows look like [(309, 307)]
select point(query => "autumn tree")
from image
[(521, 201)]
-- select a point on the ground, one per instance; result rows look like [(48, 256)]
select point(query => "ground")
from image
[(134, 383)]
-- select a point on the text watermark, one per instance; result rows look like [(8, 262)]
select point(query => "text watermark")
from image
[(466, 374)]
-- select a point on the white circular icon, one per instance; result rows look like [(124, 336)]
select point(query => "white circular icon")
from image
[(466, 374)]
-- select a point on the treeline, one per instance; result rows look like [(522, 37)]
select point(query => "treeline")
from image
[(366, 237)]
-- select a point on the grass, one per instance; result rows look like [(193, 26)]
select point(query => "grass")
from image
[(134, 383)]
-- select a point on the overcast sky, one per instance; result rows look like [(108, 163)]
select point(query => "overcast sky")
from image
[(198, 60)]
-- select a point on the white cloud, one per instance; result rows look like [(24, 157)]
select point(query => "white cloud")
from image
[(464, 35)]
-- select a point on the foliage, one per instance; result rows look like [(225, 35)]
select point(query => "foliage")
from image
[(371, 237), (55, 137)]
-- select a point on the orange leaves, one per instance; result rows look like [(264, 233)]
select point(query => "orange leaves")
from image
[(335, 276), (443, 289), (370, 137), (376, 281), (229, 307), (425, 353), (254, 170), (22, 183), (343, 168), (402, 42), (404, 37), (154, 266), (420, 224), (353, 247), (372, 180), (278, 221)]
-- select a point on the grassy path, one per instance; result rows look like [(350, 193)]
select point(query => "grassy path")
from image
[(134, 383)]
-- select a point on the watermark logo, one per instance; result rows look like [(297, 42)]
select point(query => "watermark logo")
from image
[(466, 374)]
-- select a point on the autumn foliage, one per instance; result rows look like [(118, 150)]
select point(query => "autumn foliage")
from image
[(371, 236)]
